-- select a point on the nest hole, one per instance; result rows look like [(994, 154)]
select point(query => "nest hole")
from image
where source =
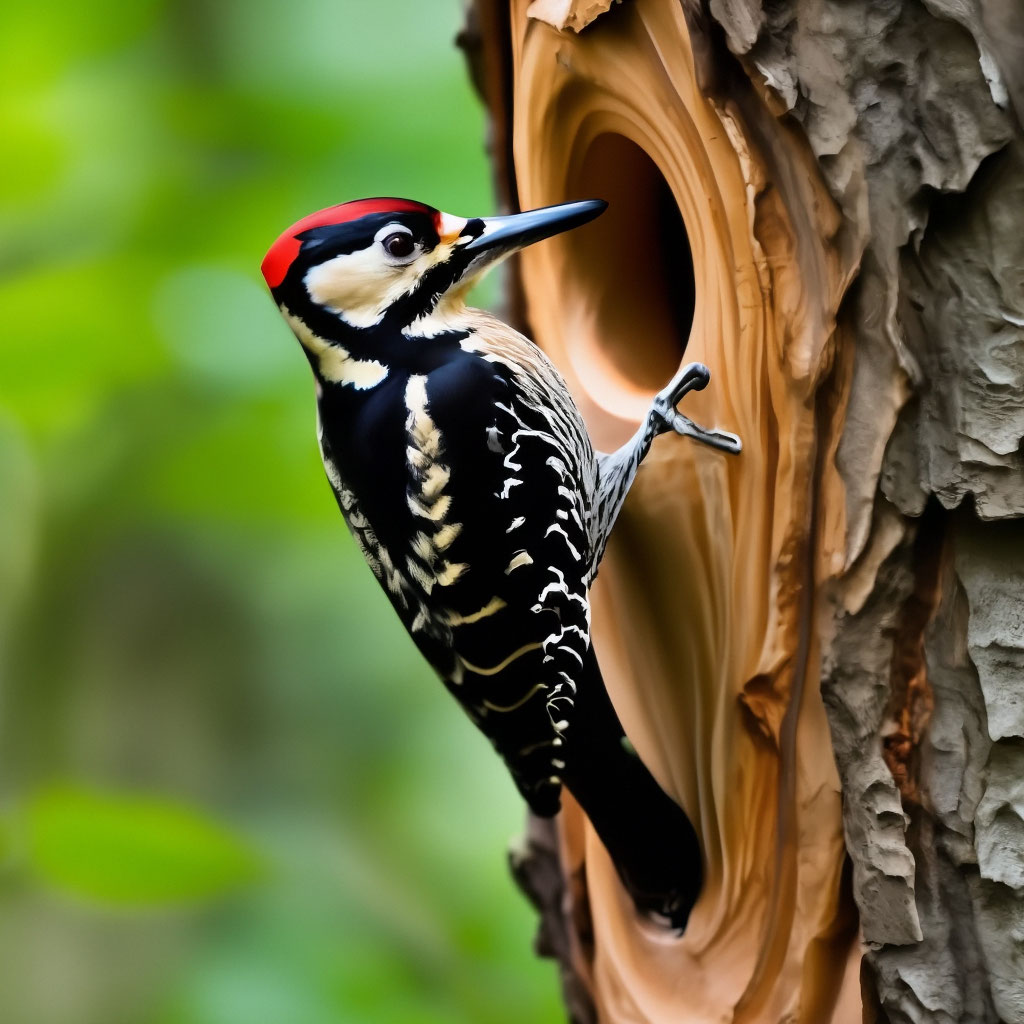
[(635, 265)]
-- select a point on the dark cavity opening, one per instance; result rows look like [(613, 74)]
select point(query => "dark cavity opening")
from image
[(635, 263)]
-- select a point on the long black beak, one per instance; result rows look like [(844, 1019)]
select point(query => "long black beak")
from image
[(519, 229)]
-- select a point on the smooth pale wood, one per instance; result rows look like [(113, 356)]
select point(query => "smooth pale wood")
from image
[(704, 609), (839, 608)]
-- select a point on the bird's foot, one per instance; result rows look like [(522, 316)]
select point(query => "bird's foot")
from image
[(692, 377)]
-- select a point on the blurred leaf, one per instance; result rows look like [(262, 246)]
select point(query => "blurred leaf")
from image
[(6, 838), (133, 850), (18, 513), (58, 368), (183, 610), (219, 323)]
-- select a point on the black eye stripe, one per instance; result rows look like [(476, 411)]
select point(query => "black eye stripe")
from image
[(323, 242)]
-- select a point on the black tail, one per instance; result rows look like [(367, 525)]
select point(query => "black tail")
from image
[(647, 834)]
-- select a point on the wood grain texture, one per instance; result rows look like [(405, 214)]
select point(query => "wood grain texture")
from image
[(814, 647)]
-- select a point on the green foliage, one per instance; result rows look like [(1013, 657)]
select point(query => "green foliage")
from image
[(132, 850), (181, 610)]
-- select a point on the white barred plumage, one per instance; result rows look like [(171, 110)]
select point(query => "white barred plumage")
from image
[(466, 475)]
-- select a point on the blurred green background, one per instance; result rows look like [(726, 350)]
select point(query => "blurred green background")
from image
[(230, 792)]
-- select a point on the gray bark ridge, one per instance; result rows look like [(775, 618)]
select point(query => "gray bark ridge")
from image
[(913, 111)]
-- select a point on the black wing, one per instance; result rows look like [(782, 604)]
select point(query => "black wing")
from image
[(495, 569)]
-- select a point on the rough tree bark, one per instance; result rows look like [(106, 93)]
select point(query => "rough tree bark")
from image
[(816, 647)]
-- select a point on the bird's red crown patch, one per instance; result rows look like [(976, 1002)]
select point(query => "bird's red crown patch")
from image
[(281, 254)]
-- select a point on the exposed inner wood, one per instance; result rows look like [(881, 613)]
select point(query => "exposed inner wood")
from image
[(703, 611), (911, 700), (810, 651)]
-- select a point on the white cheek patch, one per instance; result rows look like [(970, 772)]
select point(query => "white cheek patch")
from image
[(360, 286), (335, 363)]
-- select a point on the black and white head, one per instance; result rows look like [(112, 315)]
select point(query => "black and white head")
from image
[(384, 263)]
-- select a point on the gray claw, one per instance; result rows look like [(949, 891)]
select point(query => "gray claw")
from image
[(723, 440), (692, 377)]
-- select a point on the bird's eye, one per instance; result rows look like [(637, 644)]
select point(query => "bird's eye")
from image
[(399, 244)]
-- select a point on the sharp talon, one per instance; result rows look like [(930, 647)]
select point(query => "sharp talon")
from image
[(693, 377), (723, 440)]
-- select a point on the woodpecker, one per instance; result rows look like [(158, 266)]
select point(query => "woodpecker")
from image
[(466, 476)]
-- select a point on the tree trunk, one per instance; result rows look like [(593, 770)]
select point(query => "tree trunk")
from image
[(815, 647)]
